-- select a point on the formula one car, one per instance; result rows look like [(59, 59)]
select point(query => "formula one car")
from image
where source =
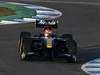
[(47, 43)]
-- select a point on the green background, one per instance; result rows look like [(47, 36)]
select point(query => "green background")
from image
[(21, 11)]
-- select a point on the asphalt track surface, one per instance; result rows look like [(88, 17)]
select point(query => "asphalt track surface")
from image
[(81, 20)]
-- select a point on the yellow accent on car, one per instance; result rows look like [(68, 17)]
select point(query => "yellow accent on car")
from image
[(49, 43)]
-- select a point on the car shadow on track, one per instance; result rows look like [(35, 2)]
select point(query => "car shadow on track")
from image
[(45, 59)]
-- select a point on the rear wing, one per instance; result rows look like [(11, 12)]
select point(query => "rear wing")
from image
[(44, 23)]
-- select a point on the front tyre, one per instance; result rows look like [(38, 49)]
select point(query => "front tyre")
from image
[(72, 50), (24, 45)]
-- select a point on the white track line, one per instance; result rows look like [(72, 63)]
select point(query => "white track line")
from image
[(70, 2), (9, 22), (92, 66)]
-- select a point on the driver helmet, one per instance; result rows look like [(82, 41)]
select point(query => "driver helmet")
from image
[(47, 31)]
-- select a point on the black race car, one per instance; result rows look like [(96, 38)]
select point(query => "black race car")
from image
[(47, 43)]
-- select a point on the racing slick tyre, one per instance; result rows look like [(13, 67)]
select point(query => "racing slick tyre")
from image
[(71, 47), (72, 51), (24, 45)]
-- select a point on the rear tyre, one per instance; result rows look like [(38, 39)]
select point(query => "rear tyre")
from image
[(24, 45), (71, 47), (72, 50)]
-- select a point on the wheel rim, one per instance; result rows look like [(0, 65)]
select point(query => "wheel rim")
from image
[(74, 58), (23, 55)]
